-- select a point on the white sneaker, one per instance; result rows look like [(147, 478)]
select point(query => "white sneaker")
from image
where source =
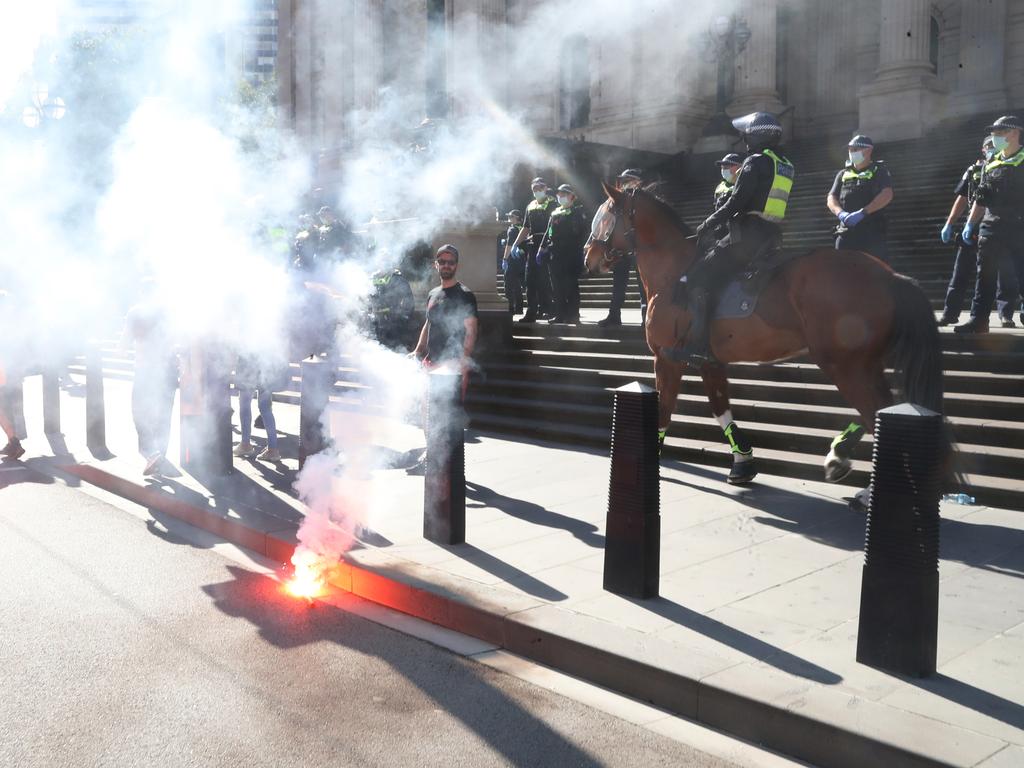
[(270, 454), (244, 450)]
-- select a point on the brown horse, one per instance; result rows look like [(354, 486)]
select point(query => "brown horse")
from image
[(845, 309)]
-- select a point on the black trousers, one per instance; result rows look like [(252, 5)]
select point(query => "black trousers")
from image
[(965, 269), (565, 283), (538, 285), (997, 254), (620, 282), (514, 279), (866, 237)]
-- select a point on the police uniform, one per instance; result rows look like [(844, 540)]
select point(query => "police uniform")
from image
[(513, 268), (1001, 191), (751, 217), (965, 265), (538, 277), (855, 189), (725, 187), (567, 234), (622, 268), (391, 306)]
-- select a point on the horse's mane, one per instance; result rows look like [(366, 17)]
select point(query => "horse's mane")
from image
[(652, 193)]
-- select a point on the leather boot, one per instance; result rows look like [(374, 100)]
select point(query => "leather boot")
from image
[(697, 348)]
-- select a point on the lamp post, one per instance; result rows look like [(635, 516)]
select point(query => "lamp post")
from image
[(727, 38), (44, 108)]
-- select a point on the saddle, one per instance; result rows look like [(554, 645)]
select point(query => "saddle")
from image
[(738, 298)]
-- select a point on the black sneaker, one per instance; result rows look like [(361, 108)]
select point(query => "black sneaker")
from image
[(971, 326), (1007, 322), (947, 320), (612, 321), (527, 318)]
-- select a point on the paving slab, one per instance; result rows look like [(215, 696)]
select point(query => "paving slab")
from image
[(755, 629)]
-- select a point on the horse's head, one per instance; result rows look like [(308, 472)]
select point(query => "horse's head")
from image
[(612, 235)]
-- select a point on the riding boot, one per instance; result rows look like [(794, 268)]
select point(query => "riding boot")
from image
[(697, 349)]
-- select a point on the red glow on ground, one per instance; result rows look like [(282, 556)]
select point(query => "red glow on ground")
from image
[(307, 582)]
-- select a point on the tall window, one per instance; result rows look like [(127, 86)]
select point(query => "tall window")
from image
[(574, 84), (437, 77), (933, 44)]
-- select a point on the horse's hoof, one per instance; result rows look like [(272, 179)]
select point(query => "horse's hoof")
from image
[(860, 500), (837, 471), (742, 472)]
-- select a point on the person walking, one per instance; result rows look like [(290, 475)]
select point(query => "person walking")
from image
[(997, 219), (858, 198), (965, 264), (252, 380)]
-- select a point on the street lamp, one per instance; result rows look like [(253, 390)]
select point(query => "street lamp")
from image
[(43, 108), (727, 38)]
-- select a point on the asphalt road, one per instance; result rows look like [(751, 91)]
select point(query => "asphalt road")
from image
[(122, 644)]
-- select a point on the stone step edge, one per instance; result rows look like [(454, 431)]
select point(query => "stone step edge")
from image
[(507, 621)]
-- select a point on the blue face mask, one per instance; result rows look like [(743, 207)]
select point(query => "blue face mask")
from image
[(989, 153), (856, 158), (999, 142), (539, 195), (729, 176)]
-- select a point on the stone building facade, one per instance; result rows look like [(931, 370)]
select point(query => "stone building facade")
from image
[(889, 68)]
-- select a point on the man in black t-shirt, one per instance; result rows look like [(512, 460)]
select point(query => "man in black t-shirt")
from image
[(450, 331)]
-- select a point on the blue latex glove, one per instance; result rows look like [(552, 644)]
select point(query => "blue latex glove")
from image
[(540, 257), (968, 233), (504, 266), (842, 216), (947, 234), (853, 219)]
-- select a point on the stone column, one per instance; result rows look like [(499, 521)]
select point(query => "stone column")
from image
[(981, 84), (367, 50), (755, 68), (836, 75), (906, 97)]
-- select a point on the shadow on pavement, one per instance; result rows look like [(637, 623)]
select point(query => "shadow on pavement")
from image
[(535, 513), (967, 695), (507, 572), (460, 688), (740, 641)]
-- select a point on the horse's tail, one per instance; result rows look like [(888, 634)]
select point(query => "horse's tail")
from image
[(915, 346)]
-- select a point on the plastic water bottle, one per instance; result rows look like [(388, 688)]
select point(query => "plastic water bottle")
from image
[(958, 498)]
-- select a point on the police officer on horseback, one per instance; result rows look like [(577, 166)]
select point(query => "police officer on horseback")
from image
[(751, 217), (858, 197)]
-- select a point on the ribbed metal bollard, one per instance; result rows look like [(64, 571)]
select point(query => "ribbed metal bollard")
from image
[(899, 599), (51, 401), (318, 377), (632, 548), (205, 413), (95, 407), (444, 482)]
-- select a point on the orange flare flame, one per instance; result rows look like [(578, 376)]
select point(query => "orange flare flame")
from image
[(307, 582)]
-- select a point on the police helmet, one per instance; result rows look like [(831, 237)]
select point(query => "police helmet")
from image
[(760, 129), (861, 142), (731, 159), (538, 182), (447, 248), (631, 174), (567, 189), (1007, 123), (515, 213)]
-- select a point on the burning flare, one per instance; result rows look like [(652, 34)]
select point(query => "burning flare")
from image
[(307, 581)]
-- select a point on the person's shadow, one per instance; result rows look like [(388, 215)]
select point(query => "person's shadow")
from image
[(534, 513), (460, 688)]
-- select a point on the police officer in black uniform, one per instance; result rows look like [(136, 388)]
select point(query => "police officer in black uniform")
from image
[(730, 167), (752, 214), (530, 239), (567, 234), (631, 178), (391, 307), (965, 264), (513, 267), (858, 196), (999, 208)]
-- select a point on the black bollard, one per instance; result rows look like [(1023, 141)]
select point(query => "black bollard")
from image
[(318, 377), (95, 408), (444, 481), (632, 548), (206, 412), (899, 599), (51, 401)]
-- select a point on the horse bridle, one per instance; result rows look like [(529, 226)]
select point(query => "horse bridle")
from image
[(611, 255)]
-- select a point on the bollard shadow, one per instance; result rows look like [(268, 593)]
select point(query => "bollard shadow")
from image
[(971, 697), (739, 640), (58, 444), (13, 472), (166, 532), (530, 512), (507, 572), (460, 688)]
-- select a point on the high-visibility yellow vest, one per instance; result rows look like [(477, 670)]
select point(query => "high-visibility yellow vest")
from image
[(782, 185), (999, 160)]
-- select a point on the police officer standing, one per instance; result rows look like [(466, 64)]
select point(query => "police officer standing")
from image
[(567, 234), (631, 178), (965, 265), (858, 196), (730, 167), (391, 307), (999, 207), (512, 265), (752, 215), (530, 239)]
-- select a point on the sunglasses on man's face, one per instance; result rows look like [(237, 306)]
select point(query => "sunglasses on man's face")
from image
[(446, 262)]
